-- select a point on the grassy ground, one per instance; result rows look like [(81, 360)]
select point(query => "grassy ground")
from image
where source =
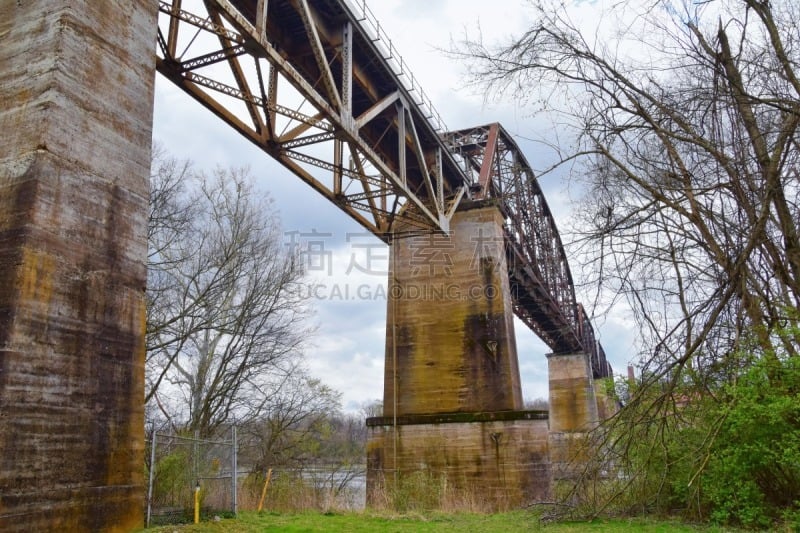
[(368, 522)]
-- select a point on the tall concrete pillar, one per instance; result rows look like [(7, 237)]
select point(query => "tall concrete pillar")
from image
[(450, 343), (573, 413), (76, 96), (452, 397)]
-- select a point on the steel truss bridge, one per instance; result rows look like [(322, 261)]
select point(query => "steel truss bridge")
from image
[(317, 85)]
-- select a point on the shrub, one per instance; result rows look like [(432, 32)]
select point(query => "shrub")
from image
[(728, 451), (753, 475)]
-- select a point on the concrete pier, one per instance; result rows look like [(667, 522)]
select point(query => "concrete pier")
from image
[(452, 395), (76, 86), (573, 414), (482, 461), (450, 344)]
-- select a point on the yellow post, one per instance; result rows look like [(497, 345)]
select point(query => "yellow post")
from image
[(197, 503), (264, 490)]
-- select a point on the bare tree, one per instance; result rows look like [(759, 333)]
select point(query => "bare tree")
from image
[(225, 320), (685, 119), (371, 408), (688, 149), (170, 321), (306, 440), (294, 424), (542, 404)]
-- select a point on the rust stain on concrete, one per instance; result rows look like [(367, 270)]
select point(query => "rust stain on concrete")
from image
[(36, 279), (451, 316), (77, 78)]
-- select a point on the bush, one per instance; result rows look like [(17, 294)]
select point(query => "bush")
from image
[(728, 452), (753, 475)]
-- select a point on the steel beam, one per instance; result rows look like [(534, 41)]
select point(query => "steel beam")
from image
[(319, 88)]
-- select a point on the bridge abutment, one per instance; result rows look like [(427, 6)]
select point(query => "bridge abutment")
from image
[(453, 407), (76, 82)]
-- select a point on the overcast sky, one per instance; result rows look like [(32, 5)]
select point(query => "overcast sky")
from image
[(347, 351)]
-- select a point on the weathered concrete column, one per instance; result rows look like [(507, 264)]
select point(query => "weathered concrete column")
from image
[(76, 96), (452, 404), (573, 413), (605, 397), (450, 344)]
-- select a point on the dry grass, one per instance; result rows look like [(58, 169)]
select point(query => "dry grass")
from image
[(423, 491), (292, 493)]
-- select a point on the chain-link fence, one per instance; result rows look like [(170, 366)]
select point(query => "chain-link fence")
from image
[(178, 465)]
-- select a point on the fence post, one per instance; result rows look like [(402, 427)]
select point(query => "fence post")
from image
[(233, 477), (197, 503), (151, 475), (196, 456)]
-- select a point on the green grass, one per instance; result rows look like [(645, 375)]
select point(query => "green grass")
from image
[(372, 522)]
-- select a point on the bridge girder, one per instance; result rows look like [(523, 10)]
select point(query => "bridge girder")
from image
[(541, 283), (310, 84)]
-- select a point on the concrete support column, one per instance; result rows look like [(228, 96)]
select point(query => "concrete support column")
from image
[(453, 423), (573, 413), (76, 93), (604, 394), (450, 343)]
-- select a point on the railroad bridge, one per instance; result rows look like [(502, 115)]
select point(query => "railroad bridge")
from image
[(316, 85)]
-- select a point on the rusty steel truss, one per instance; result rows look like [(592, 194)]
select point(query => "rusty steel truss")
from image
[(541, 283), (318, 86), (321, 91)]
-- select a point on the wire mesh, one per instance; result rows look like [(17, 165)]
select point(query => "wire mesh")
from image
[(177, 466)]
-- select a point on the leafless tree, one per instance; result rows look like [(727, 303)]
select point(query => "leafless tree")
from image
[(169, 323), (292, 427), (684, 118), (225, 321), (537, 404), (304, 436)]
